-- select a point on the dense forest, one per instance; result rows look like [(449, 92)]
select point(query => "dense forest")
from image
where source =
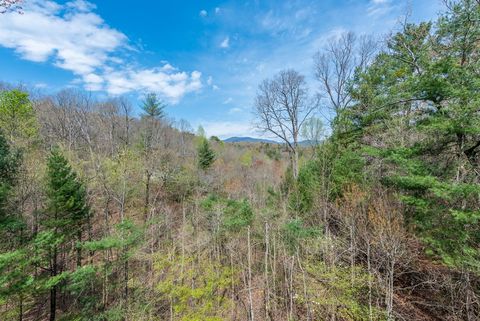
[(106, 215)]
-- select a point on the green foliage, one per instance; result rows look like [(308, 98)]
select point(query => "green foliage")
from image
[(17, 117), (79, 284), (348, 168), (246, 159), (206, 155), (43, 245), (238, 214), (216, 139), (153, 107), (122, 173), (181, 185), (302, 198), (333, 291), (272, 151), (14, 279), (194, 287), (126, 238), (294, 232), (228, 214), (411, 131), (9, 164), (68, 206), (416, 115), (288, 182)]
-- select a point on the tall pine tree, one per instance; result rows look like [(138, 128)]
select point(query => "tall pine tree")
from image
[(68, 214), (15, 280), (416, 118)]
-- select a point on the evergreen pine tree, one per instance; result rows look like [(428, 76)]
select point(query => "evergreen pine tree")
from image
[(153, 107), (9, 162), (432, 101), (68, 214), (15, 280), (152, 114), (206, 155), (67, 196)]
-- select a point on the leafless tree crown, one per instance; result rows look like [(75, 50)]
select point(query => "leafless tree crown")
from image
[(282, 105), (336, 64)]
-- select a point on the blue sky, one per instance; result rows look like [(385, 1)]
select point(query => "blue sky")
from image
[(205, 58)]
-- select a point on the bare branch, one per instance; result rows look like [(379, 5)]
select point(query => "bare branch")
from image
[(282, 105), (336, 65)]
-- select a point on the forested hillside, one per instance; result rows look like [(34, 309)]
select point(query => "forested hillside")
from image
[(105, 215)]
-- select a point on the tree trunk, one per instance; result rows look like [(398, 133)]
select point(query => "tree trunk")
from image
[(20, 308), (79, 249), (147, 196), (267, 285), (125, 285), (295, 163), (250, 298), (53, 290)]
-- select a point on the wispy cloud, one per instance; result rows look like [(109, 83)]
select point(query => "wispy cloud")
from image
[(203, 13), (225, 43), (73, 37), (380, 7), (235, 110), (271, 36), (228, 100)]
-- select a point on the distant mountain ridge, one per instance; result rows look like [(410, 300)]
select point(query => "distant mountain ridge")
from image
[(247, 139)]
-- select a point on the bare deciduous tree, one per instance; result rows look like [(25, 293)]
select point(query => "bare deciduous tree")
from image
[(336, 64), (282, 106)]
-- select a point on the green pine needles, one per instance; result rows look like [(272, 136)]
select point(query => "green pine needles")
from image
[(206, 155)]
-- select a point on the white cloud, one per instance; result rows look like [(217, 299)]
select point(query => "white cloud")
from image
[(93, 82), (217, 10), (168, 67), (235, 110), (225, 129), (211, 84), (81, 5), (203, 13), (172, 85), (225, 43), (74, 38), (227, 101)]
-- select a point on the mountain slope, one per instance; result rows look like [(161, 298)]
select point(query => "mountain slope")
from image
[(263, 140), (249, 140)]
